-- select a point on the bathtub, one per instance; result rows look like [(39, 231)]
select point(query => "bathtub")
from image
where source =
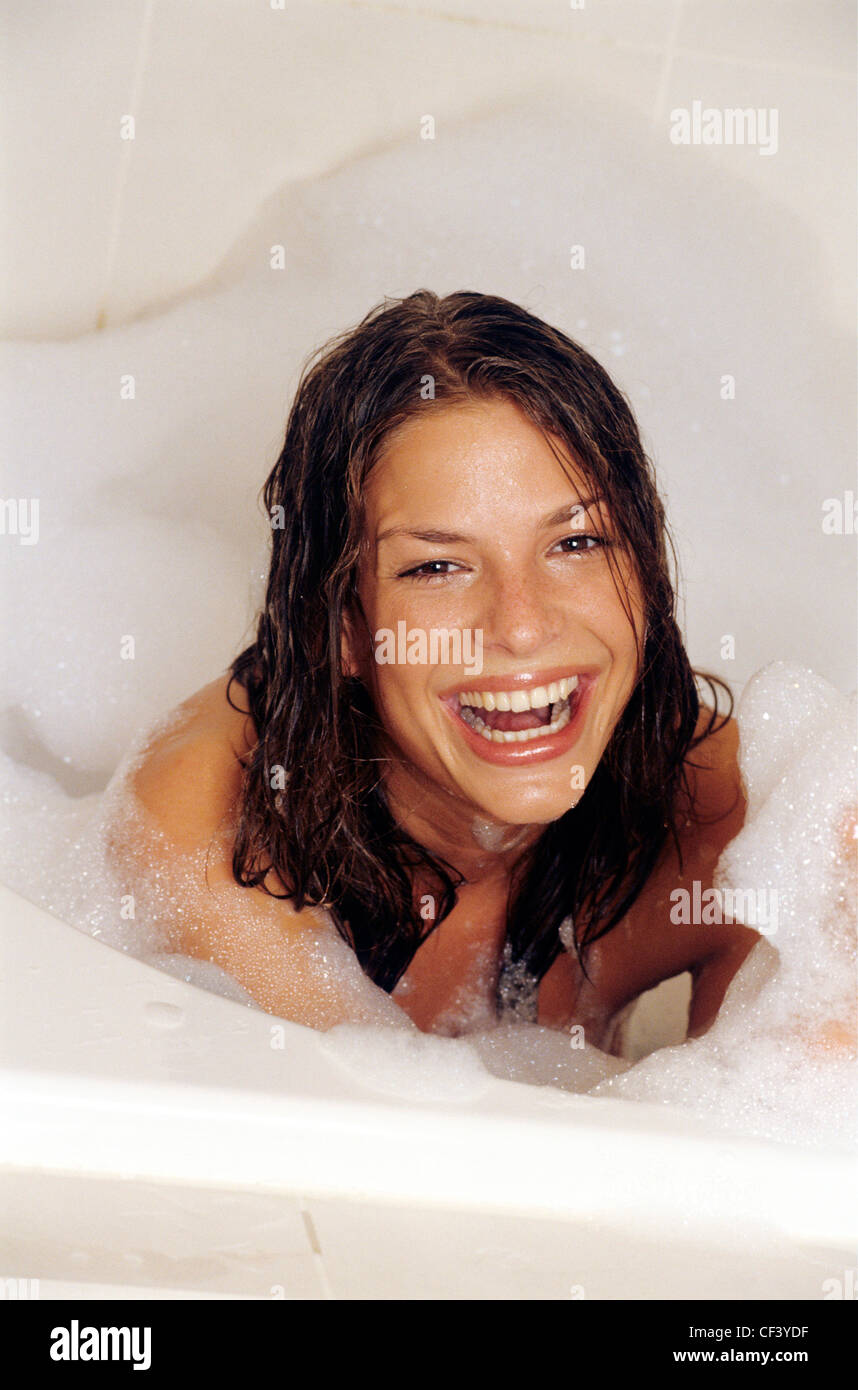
[(156, 1145)]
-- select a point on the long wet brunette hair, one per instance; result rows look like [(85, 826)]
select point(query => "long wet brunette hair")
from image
[(313, 806)]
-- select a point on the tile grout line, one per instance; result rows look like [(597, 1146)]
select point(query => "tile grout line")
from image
[(598, 40), (124, 160)]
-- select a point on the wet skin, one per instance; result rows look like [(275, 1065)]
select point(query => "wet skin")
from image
[(472, 523), (519, 562)]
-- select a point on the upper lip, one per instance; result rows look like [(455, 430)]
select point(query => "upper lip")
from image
[(521, 680)]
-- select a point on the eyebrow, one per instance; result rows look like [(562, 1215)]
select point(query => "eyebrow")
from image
[(435, 537)]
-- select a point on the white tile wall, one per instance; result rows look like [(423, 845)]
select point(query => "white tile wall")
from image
[(813, 172), (767, 33), (233, 98)]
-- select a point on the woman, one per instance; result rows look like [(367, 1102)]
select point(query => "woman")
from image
[(467, 737)]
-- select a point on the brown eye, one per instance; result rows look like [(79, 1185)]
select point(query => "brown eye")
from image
[(576, 544), (428, 570)]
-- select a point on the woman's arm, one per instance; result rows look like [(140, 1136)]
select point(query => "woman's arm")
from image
[(171, 843), (649, 945)]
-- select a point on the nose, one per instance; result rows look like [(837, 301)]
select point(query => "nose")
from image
[(520, 616)]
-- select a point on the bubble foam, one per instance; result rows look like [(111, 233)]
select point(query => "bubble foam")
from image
[(149, 530), (781, 1060)]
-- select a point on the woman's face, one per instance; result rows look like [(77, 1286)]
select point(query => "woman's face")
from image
[(499, 653)]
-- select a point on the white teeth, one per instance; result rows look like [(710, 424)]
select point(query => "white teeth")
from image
[(520, 700), (517, 735)]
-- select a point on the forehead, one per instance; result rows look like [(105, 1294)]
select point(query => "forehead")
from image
[(463, 449)]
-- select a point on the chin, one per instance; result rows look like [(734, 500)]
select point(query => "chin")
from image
[(517, 808)]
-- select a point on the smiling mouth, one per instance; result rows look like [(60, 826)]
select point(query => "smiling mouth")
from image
[(520, 716)]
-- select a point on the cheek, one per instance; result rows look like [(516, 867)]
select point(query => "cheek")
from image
[(623, 607), (615, 618), (394, 687), (399, 696)]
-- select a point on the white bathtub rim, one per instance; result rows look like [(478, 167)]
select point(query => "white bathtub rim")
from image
[(372, 1151), (87, 1087)]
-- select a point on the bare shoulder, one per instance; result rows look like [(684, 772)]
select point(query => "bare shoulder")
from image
[(647, 946), (709, 814), (714, 780), (189, 780), (189, 776)]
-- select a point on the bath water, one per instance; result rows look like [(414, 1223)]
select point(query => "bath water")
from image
[(146, 446)]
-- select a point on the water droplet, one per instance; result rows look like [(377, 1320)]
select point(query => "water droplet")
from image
[(159, 1014)]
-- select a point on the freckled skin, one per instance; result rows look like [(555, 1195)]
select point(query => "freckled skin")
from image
[(486, 474), (483, 471)]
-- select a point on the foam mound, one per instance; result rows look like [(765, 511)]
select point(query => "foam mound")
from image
[(781, 1059)]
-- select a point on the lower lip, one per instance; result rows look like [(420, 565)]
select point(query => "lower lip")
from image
[(535, 750)]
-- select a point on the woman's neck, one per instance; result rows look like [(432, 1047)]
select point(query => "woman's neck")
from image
[(480, 848)]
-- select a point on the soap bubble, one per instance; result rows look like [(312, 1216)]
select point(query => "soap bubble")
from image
[(781, 1059), (148, 530)]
